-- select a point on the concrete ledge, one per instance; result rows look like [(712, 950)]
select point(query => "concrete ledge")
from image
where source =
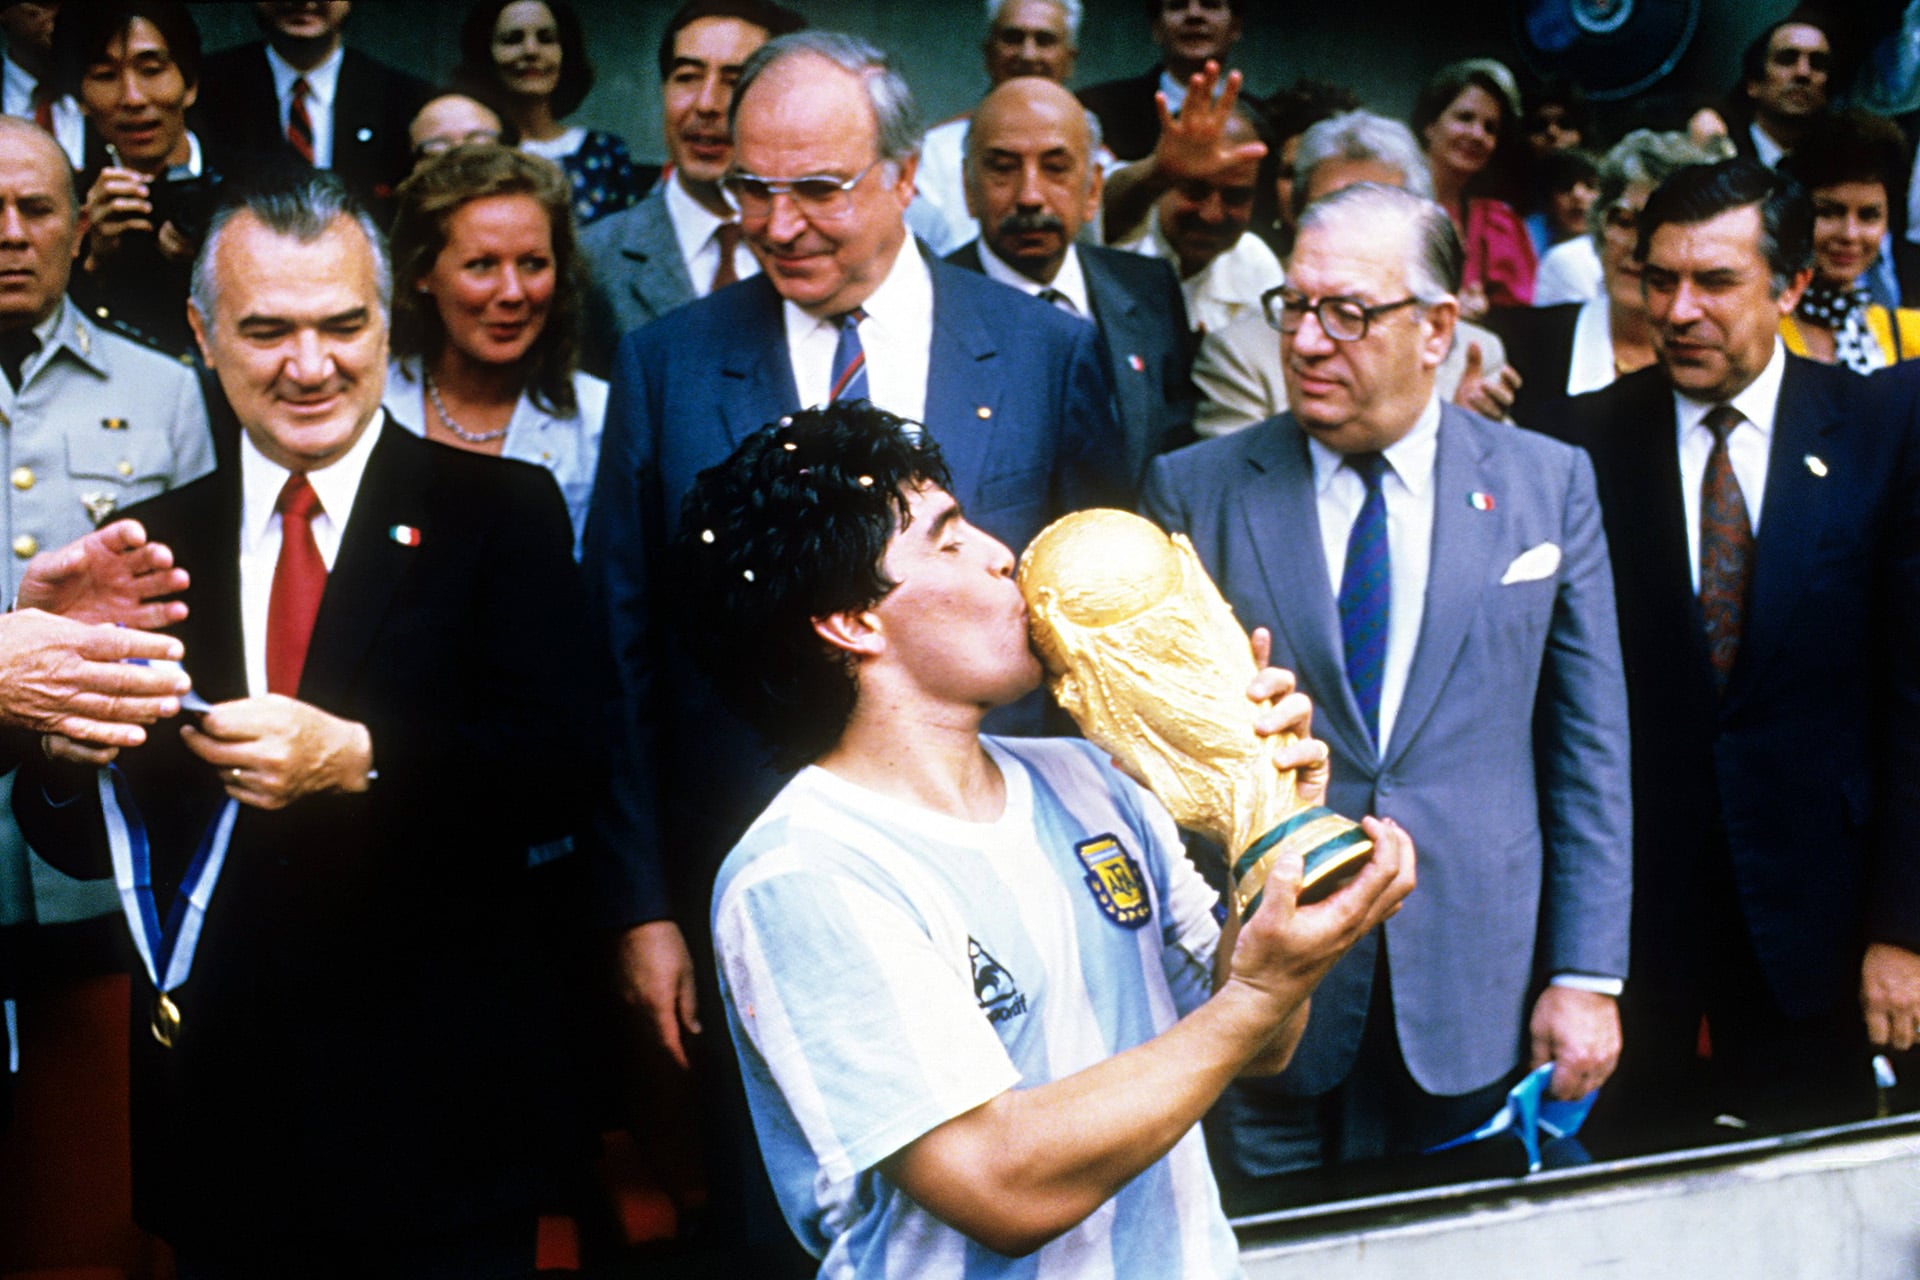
[(1838, 1204)]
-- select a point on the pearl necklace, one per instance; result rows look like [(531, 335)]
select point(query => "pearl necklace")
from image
[(447, 420)]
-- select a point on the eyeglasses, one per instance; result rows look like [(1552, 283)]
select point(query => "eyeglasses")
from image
[(444, 143), (816, 196), (1342, 319)]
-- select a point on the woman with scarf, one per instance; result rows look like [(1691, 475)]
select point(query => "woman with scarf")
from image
[(1851, 166)]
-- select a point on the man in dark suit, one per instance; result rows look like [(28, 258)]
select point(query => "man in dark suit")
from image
[(351, 115), (353, 1077), (1763, 513), (1439, 584), (1013, 391), (1032, 183), (1784, 87), (1190, 33), (682, 241)]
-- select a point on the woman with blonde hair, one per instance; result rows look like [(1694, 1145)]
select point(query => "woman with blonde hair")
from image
[(486, 318)]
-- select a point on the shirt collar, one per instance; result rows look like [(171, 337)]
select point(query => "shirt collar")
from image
[(67, 327), (17, 85), (336, 485), (1410, 457), (321, 81), (1175, 90), (1069, 279), (693, 223), (904, 297), (1755, 401)]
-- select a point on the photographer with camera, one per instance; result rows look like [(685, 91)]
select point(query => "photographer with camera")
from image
[(134, 66)]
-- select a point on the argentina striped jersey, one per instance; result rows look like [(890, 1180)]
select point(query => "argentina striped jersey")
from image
[(887, 968)]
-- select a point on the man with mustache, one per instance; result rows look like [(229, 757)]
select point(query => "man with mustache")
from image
[(1033, 184), (683, 241), (1199, 223), (1024, 38)]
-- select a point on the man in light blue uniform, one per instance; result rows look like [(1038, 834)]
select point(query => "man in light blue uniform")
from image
[(978, 992)]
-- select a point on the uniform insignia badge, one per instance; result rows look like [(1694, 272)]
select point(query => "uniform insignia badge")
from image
[(99, 505), (1115, 880)]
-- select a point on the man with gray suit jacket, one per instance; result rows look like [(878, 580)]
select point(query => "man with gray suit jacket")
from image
[(1033, 184), (683, 241), (1454, 622)]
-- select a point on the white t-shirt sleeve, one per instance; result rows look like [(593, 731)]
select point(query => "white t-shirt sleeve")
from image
[(873, 1035)]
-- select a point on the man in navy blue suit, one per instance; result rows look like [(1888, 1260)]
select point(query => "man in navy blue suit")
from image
[(1763, 513), (825, 147)]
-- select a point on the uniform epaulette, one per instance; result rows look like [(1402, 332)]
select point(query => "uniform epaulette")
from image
[(102, 317)]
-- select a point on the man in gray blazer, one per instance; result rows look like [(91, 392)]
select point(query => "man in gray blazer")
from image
[(1440, 585), (683, 240), (1033, 183)]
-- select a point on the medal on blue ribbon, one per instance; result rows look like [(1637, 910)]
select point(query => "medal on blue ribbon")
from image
[(166, 948)]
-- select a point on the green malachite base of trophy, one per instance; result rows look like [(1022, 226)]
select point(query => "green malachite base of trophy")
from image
[(1332, 848)]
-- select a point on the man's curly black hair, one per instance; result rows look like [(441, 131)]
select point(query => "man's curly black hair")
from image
[(791, 528)]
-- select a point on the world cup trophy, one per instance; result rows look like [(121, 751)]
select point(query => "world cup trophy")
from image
[(1145, 655)]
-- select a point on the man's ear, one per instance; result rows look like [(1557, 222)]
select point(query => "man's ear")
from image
[(854, 631)]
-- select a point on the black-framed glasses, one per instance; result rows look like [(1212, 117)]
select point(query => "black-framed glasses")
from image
[(816, 196), (1342, 319)]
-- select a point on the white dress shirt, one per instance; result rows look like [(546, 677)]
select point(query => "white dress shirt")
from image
[(1591, 366), (323, 82), (1407, 487), (1070, 280), (897, 336), (261, 481), (698, 231), (1765, 149), (1226, 288), (17, 86), (1747, 446)]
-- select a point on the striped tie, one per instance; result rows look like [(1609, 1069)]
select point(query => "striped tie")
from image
[(1366, 594), (299, 123), (849, 359)]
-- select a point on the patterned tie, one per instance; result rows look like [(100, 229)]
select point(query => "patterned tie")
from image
[(727, 237), (1366, 594), (1058, 299), (849, 359), (299, 580), (1726, 548), (299, 123)]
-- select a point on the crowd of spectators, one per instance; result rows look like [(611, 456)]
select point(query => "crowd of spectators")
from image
[(1532, 384)]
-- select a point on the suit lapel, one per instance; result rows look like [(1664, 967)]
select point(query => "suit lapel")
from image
[(1465, 539), (662, 282), (756, 373), (216, 649), (1114, 316), (1282, 519), (1791, 516), (393, 494), (963, 407), (1637, 454)]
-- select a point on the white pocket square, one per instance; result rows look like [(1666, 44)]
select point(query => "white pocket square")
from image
[(1533, 564)]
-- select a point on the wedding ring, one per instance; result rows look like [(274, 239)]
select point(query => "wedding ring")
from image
[(234, 773)]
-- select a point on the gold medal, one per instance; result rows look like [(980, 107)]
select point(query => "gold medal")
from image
[(166, 1020)]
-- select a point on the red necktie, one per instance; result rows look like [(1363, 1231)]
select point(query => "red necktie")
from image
[(299, 123), (1726, 549), (299, 580), (727, 237), (43, 111)]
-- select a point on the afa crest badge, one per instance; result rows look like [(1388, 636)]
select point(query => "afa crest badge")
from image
[(1116, 882)]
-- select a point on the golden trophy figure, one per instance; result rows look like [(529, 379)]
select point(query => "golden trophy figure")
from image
[(1148, 659)]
